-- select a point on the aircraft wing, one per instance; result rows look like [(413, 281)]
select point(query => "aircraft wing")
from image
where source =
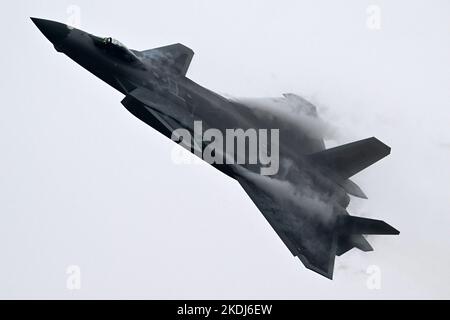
[(302, 127), (308, 225), (309, 238)]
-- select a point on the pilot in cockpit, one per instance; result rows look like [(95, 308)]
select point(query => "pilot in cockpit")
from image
[(119, 49)]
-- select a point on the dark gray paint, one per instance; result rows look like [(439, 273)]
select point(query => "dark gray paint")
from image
[(305, 202)]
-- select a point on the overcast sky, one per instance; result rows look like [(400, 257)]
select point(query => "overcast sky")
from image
[(83, 182)]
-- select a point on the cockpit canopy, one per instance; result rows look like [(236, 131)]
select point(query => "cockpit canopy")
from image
[(119, 50), (109, 40)]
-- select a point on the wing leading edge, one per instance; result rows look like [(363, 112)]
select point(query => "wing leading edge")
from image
[(313, 241), (316, 234)]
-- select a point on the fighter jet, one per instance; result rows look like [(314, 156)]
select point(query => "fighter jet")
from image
[(304, 199)]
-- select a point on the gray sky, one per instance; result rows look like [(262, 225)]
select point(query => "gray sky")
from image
[(83, 182)]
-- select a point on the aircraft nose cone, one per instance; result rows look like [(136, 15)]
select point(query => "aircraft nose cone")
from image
[(53, 31)]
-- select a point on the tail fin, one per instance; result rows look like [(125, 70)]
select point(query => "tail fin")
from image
[(352, 228), (349, 159)]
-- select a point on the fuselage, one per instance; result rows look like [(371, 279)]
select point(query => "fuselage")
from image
[(125, 69)]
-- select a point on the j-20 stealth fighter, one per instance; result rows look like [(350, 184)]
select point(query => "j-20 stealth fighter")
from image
[(304, 201)]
